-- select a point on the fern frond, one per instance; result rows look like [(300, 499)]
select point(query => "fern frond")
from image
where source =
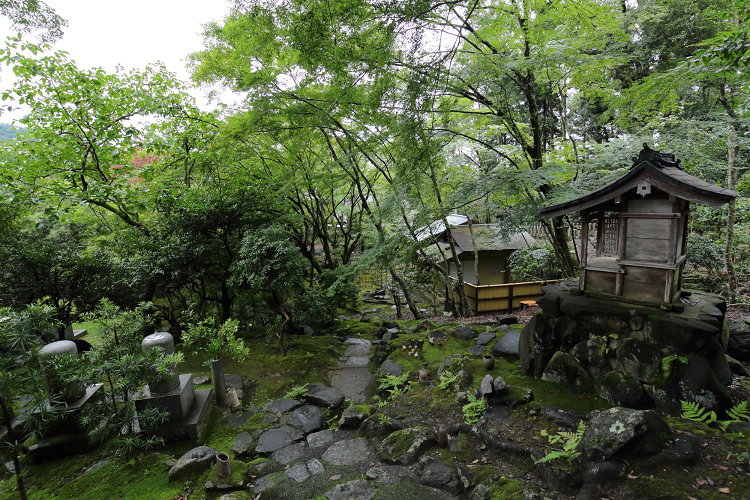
[(739, 412)]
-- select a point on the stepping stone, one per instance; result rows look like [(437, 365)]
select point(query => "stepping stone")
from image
[(289, 454), (238, 419), (465, 332), (309, 418), (358, 350), (319, 439), (349, 452), (302, 471), (485, 338), (387, 474), (242, 443), (476, 350), (359, 489), (282, 405), (390, 368), (357, 341), (320, 395), (275, 439), (507, 345)]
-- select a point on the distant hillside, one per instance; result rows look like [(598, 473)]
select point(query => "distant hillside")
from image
[(8, 132)]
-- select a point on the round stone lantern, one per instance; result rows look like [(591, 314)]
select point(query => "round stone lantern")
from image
[(164, 383), (66, 391)]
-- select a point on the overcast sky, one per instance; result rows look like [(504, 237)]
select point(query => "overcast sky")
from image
[(132, 33)]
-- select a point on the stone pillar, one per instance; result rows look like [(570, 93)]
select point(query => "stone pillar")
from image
[(67, 391), (166, 342)]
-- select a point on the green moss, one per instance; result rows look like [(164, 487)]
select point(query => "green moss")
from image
[(237, 477), (367, 410), (506, 489), (612, 379)]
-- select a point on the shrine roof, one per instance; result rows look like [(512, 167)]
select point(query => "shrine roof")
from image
[(661, 170)]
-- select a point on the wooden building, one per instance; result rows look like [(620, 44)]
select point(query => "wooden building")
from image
[(641, 224)]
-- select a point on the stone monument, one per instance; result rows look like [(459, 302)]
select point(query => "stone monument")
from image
[(67, 435), (187, 409)]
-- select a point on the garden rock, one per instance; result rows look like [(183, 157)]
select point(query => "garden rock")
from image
[(465, 332), (201, 380), (500, 386), (193, 462), (736, 367), (506, 319), (694, 382), (374, 426), (301, 472), (466, 478), (283, 405), (275, 439), (739, 339), (320, 395), (359, 489), (406, 446), (684, 451), (476, 350), (624, 391), (289, 454), (387, 474), (485, 338), (435, 474), (619, 431), (390, 368), (564, 369), (238, 419), (236, 480), (507, 345), (353, 416), (309, 418), (486, 388), (348, 452), (242, 445)]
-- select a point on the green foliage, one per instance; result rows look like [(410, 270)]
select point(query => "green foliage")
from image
[(704, 253), (314, 308), (535, 264), (394, 386), (474, 409), (569, 442), (447, 380), (667, 364), (695, 412), (204, 337)]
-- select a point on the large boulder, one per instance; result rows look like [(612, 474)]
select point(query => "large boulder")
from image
[(739, 340), (620, 390), (406, 446), (535, 346), (620, 432), (193, 462)]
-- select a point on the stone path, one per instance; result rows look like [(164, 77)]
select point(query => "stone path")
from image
[(353, 376)]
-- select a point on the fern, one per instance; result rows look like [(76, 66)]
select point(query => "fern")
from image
[(570, 441), (695, 412), (736, 414), (447, 380), (474, 409), (667, 363)]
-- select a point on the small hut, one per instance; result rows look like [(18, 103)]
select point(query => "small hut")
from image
[(641, 229)]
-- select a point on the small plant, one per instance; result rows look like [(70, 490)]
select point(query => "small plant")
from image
[(394, 385), (696, 413), (447, 380), (667, 363), (295, 392), (333, 422), (569, 442), (474, 409)]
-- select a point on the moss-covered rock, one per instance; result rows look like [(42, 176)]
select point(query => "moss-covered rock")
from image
[(406, 446)]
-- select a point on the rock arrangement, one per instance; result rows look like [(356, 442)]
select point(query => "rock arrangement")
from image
[(634, 356), (369, 455)]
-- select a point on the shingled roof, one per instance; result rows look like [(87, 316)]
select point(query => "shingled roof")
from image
[(662, 171)]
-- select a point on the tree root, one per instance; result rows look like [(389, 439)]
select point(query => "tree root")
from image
[(543, 469)]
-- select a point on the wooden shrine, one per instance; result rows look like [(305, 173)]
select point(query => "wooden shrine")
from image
[(641, 224)]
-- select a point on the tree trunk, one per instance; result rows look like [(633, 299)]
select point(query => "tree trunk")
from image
[(731, 215), (464, 309), (555, 229), (407, 296), (476, 251)]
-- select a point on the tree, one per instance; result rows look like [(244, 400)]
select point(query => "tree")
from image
[(270, 264), (31, 15), (22, 333)]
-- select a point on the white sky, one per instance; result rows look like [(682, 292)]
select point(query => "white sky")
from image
[(133, 34)]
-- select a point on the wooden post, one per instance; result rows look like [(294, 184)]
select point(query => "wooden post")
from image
[(584, 250), (621, 238)]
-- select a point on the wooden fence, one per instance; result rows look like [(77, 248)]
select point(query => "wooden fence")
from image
[(495, 298)]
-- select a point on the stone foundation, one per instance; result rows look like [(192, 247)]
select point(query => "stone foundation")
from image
[(632, 355)]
